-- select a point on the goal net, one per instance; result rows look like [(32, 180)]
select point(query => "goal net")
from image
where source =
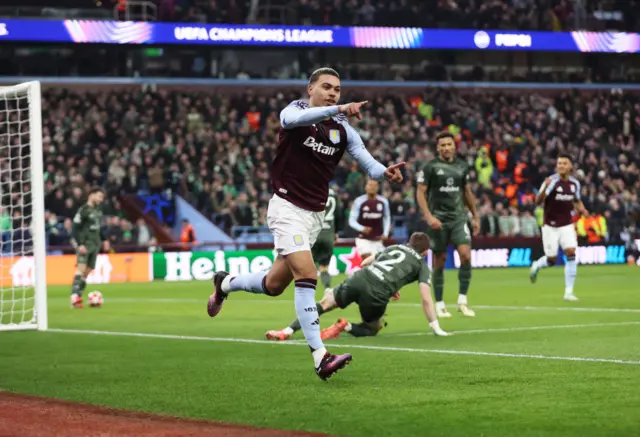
[(23, 300)]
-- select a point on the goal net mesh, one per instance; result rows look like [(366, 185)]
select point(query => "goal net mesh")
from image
[(17, 292)]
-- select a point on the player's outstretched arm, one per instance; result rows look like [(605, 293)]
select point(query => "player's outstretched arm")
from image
[(297, 114), (430, 311), (375, 170)]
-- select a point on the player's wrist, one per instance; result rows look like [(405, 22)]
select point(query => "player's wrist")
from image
[(334, 110)]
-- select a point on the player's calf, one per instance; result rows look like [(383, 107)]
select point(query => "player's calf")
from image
[(439, 261), (325, 276), (543, 262), (464, 280), (570, 273), (365, 329)]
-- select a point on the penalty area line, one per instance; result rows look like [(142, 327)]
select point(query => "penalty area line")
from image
[(349, 346)]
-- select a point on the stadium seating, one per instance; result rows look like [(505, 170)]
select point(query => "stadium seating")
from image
[(217, 155)]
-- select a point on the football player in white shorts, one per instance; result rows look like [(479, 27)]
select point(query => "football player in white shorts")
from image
[(560, 196)]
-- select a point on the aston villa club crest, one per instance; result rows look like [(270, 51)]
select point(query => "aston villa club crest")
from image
[(334, 136)]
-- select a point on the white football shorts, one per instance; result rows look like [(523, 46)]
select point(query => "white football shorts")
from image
[(564, 237), (294, 229), (369, 247)]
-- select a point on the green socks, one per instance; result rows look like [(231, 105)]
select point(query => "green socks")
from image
[(325, 279), (438, 284), (464, 278), (361, 330), (79, 285)]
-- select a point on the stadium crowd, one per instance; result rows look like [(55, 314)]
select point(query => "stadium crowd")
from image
[(216, 151), (466, 14)]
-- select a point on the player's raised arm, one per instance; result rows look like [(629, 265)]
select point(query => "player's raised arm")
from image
[(547, 187), (298, 113), (374, 169)]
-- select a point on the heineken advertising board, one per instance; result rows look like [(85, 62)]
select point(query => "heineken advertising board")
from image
[(187, 266)]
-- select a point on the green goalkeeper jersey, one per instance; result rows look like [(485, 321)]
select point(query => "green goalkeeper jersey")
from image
[(87, 227), (446, 182), (393, 268)]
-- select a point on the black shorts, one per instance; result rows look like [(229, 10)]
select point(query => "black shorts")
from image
[(322, 250), (357, 290)]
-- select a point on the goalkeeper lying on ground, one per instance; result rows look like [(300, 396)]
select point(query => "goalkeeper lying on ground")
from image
[(372, 288)]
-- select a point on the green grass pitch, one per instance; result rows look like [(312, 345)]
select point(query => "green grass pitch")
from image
[(529, 364)]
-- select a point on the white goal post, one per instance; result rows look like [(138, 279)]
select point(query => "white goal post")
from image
[(23, 288)]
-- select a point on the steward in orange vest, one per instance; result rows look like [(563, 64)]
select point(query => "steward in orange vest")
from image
[(187, 235)]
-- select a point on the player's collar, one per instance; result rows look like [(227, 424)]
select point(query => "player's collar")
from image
[(446, 162)]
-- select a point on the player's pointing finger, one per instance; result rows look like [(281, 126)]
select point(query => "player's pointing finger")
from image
[(398, 165)]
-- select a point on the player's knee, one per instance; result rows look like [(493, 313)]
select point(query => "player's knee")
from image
[(375, 327), (465, 257), (551, 260), (439, 260), (570, 253)]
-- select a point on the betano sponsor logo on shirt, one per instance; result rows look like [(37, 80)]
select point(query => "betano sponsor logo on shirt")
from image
[(371, 215), (565, 197), (319, 147)]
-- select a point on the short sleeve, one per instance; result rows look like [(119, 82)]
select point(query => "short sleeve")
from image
[(424, 277), (578, 188), (422, 177), (79, 217), (465, 175)]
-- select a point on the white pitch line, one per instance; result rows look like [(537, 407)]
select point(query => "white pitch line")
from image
[(349, 346), (519, 328), (398, 304)]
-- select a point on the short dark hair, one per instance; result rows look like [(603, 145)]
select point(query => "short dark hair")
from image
[(565, 155), (322, 71), (94, 190), (445, 134), (419, 241)]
